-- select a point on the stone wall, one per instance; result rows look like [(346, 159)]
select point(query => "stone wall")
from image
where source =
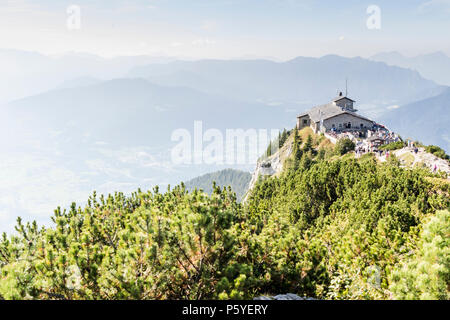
[(344, 119), (332, 139), (303, 121)]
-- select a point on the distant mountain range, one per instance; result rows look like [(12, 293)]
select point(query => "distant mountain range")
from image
[(291, 85), (78, 82), (223, 94), (434, 66), (91, 132), (300, 82), (238, 181), (26, 73), (59, 146), (125, 111), (427, 120)]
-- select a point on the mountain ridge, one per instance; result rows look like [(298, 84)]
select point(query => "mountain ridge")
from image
[(238, 180), (434, 65), (294, 80), (425, 120)]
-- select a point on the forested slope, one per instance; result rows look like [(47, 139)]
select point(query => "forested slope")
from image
[(329, 227), (238, 181)]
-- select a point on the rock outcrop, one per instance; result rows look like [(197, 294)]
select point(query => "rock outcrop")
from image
[(288, 296), (267, 167), (409, 158)]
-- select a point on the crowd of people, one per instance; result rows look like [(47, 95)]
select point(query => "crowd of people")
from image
[(367, 140), (370, 141)]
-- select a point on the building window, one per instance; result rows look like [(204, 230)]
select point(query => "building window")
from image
[(333, 125), (340, 125), (362, 125), (305, 121)]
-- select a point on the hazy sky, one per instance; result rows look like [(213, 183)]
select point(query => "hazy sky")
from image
[(225, 28)]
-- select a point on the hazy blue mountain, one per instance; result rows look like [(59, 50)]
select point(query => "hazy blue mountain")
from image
[(59, 146), (434, 66), (26, 73), (427, 120), (134, 109), (298, 83), (127, 113), (301, 81), (79, 82), (237, 179)]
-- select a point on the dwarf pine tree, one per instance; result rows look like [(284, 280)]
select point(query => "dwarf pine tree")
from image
[(297, 149), (426, 274), (283, 138), (331, 227), (308, 144), (147, 246)]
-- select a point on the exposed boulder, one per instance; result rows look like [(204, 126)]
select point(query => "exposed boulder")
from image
[(288, 296)]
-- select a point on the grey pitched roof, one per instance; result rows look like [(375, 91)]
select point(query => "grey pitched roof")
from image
[(329, 110), (303, 114), (342, 97), (359, 116), (324, 112)]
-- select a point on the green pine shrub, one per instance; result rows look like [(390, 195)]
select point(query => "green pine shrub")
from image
[(328, 227)]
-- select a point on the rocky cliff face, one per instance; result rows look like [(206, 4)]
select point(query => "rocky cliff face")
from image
[(270, 166)]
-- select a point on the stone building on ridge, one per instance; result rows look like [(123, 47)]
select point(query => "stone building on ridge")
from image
[(338, 115)]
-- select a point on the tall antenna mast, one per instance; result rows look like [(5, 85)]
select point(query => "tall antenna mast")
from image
[(346, 87)]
